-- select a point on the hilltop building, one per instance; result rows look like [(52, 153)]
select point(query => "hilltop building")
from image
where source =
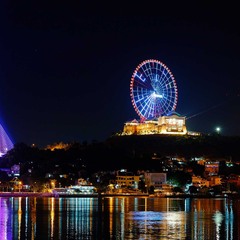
[(154, 96), (172, 123)]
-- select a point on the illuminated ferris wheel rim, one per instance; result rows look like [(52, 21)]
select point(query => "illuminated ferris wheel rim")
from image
[(153, 89)]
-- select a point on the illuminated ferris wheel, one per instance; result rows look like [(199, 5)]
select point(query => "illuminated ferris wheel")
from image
[(153, 90)]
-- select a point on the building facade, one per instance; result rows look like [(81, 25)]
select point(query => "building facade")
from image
[(155, 179), (171, 124), (127, 179)]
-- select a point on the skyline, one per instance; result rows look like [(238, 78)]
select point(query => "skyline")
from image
[(65, 74)]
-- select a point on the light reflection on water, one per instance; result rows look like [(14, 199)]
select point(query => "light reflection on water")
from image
[(119, 218)]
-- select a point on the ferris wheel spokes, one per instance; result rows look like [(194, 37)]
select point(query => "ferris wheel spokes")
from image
[(153, 89)]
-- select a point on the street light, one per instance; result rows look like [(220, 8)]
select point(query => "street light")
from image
[(19, 186), (53, 183), (218, 129)]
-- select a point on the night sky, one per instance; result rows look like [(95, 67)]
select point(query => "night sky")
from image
[(65, 69)]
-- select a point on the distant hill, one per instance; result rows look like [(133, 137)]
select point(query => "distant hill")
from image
[(131, 152), (187, 146)]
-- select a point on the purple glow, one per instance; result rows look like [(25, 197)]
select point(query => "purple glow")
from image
[(5, 142)]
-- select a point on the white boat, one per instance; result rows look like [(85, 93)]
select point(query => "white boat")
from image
[(83, 187)]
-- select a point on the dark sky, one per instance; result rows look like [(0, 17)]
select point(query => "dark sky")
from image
[(65, 69)]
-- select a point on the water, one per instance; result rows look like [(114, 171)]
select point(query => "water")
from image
[(119, 218)]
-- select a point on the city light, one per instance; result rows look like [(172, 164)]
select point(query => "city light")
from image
[(218, 130)]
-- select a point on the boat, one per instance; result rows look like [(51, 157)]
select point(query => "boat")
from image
[(83, 187)]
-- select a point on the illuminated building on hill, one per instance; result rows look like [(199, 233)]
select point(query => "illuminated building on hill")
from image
[(154, 95), (173, 123), (57, 146)]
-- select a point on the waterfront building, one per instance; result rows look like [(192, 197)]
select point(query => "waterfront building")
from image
[(214, 181), (234, 179), (155, 179), (127, 179), (199, 182), (159, 182), (166, 189)]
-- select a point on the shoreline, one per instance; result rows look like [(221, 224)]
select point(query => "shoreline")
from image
[(105, 195), (66, 195)]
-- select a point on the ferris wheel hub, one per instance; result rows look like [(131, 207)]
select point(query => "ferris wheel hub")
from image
[(155, 95)]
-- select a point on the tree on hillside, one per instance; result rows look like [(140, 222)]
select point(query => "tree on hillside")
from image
[(179, 178)]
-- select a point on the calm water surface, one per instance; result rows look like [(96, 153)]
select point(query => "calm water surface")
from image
[(119, 218)]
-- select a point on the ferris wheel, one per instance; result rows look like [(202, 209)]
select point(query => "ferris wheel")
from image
[(153, 90)]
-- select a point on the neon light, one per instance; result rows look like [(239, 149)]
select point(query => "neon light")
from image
[(155, 95), (5, 142), (140, 77)]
